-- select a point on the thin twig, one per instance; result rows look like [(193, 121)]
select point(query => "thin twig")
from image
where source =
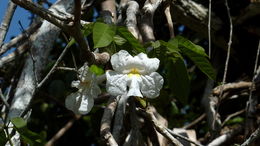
[(209, 28), (183, 137), (201, 117), (229, 46), (252, 137), (20, 38), (227, 59), (54, 67), (4, 99), (66, 68), (62, 131), (6, 21), (233, 115)]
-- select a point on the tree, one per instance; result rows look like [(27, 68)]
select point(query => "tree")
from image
[(69, 59)]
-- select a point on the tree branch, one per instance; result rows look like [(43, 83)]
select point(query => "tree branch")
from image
[(6, 21), (62, 131), (160, 128), (20, 38), (131, 21), (146, 21), (106, 122)]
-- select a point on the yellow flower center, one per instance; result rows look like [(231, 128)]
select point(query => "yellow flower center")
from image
[(134, 72)]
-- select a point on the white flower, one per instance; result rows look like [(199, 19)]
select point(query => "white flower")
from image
[(82, 101), (134, 76)]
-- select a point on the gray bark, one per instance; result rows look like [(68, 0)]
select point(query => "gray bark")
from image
[(42, 44)]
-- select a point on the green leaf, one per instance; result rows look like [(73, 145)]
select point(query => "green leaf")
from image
[(87, 29), (119, 40), (189, 45), (19, 122), (178, 79), (174, 108), (123, 32), (3, 138), (235, 120), (196, 54), (103, 34), (96, 70)]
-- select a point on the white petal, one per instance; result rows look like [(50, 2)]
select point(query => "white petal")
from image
[(134, 87), (116, 83), (87, 102), (151, 85), (123, 62), (75, 84), (149, 64), (119, 60), (72, 102)]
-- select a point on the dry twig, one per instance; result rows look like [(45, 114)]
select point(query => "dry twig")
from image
[(62, 131)]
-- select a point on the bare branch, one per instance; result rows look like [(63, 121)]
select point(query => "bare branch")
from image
[(131, 21), (231, 86), (110, 6), (233, 115), (146, 22), (200, 118), (20, 38), (46, 14), (226, 63), (160, 128), (183, 137), (119, 117), (253, 100), (228, 49), (42, 44), (169, 20), (6, 21), (63, 22), (4, 99), (54, 67), (12, 56), (106, 122), (252, 137), (62, 131)]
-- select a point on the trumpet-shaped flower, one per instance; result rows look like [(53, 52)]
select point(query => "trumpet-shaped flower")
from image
[(134, 76), (82, 101)]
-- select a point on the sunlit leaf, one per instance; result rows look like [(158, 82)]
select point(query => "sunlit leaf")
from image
[(119, 40), (103, 34), (97, 70), (19, 122)]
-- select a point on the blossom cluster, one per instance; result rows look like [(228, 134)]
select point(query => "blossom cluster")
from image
[(131, 76)]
